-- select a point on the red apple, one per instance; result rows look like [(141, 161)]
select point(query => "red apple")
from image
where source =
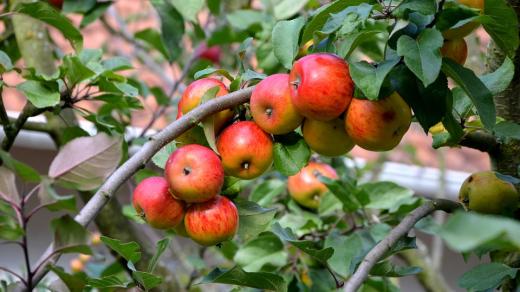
[(153, 201), (212, 222), (246, 150), (455, 49), (194, 173), (210, 53), (378, 125), (321, 87), (192, 97), (56, 3), (271, 105), (305, 188), (327, 138)]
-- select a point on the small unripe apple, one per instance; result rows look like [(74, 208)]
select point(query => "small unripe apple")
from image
[(321, 87), (466, 29), (194, 173), (305, 187), (437, 128), (56, 3), (76, 265), (327, 138), (210, 53), (246, 150), (153, 201), (484, 192), (192, 97), (456, 49), (84, 257), (271, 105), (378, 125), (95, 238), (212, 222)]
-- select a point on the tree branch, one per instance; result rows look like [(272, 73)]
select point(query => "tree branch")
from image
[(28, 111), (481, 141), (157, 141), (399, 231)]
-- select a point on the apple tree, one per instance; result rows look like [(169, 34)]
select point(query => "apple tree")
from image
[(249, 183)]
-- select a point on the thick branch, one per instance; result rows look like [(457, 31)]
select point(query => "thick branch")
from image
[(28, 111), (399, 231), (481, 141), (132, 165)]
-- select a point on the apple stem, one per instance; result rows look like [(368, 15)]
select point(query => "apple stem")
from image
[(245, 165)]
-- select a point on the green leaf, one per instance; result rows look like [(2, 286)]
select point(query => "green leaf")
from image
[(425, 7), (344, 191), (161, 246), (348, 251), (153, 38), (285, 40), (369, 78), (188, 9), (117, 64), (291, 153), (349, 42), (94, 14), (286, 8), (44, 12), (40, 94), (130, 251), (53, 201), (237, 276), (9, 227), (243, 19), (214, 6), (422, 55), (5, 62), (266, 249), (8, 187), (160, 158), (148, 280), (322, 15), (252, 75), (429, 104), (21, 169), (466, 231), (75, 70), (507, 129), (112, 281), (70, 236), (209, 71), (77, 6), (74, 282), (348, 20), (253, 218), (208, 124), (387, 269), (265, 192), (307, 246), (386, 196), (500, 79), (503, 26), (172, 27), (475, 89), (232, 186), (485, 277)]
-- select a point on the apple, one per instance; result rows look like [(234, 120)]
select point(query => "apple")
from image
[(455, 49), (305, 188), (484, 192), (271, 105), (465, 29), (246, 150), (153, 201), (378, 125), (194, 173), (56, 3), (327, 138), (212, 222), (210, 53), (76, 265), (321, 87), (192, 97)]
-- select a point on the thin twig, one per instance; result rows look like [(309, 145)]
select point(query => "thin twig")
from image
[(398, 232), (14, 274), (25, 248)]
